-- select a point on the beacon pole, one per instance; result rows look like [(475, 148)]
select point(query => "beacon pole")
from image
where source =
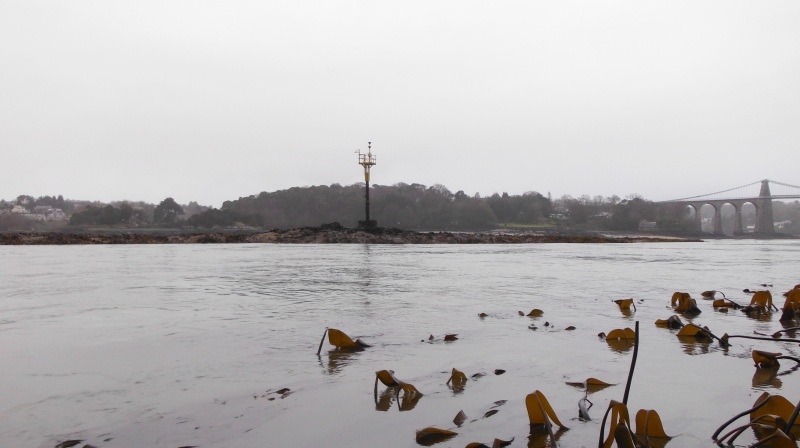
[(367, 161), (367, 197)]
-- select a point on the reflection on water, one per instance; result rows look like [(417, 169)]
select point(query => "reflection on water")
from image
[(385, 400), (766, 377), (695, 345), (759, 315), (456, 389), (689, 316), (341, 357), (409, 401), (539, 437), (791, 328), (653, 442), (620, 345)]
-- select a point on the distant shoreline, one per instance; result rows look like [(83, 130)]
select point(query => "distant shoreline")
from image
[(326, 234)]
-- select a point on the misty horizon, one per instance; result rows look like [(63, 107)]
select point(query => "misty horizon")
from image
[(211, 101)]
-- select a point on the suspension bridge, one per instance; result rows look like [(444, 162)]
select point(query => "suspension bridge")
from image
[(762, 203)]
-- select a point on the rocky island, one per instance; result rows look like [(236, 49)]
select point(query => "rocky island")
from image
[(332, 233)]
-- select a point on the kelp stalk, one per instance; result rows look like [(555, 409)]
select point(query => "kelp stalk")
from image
[(322, 341), (633, 364), (792, 418), (736, 417), (763, 339)]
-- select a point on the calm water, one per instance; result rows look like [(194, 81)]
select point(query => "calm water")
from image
[(170, 346)]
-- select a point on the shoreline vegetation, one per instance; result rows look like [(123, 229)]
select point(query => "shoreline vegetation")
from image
[(333, 233)]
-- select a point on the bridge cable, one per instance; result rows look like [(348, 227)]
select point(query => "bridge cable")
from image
[(781, 183), (718, 192)]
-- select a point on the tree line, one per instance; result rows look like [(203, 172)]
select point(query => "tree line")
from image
[(408, 206)]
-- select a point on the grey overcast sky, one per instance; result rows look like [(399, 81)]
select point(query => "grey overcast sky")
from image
[(210, 101)]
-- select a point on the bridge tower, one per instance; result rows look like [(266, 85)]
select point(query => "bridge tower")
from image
[(764, 222)]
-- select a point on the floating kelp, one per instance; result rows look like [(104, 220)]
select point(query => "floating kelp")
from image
[(388, 379), (541, 413), (539, 410), (769, 414), (431, 435), (496, 444), (791, 305), (626, 334), (766, 359), (769, 359), (709, 295), (340, 340), (774, 406), (684, 303), (409, 389), (625, 304), (620, 340), (461, 417), (760, 303), (648, 424), (570, 328), (457, 377), (619, 429), (490, 413), (701, 333), (535, 312), (591, 385), (450, 337), (725, 337), (671, 322), (695, 331), (774, 438), (68, 443), (725, 303)]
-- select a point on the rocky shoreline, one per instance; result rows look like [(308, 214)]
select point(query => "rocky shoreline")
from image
[(325, 234)]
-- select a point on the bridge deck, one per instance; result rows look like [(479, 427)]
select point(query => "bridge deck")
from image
[(775, 196)]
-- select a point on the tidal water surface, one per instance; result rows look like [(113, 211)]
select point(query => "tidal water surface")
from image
[(185, 345)]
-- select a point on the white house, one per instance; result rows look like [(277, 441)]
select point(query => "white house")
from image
[(56, 215), (35, 216)]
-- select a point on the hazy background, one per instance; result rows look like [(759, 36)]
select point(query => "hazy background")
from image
[(208, 101)]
